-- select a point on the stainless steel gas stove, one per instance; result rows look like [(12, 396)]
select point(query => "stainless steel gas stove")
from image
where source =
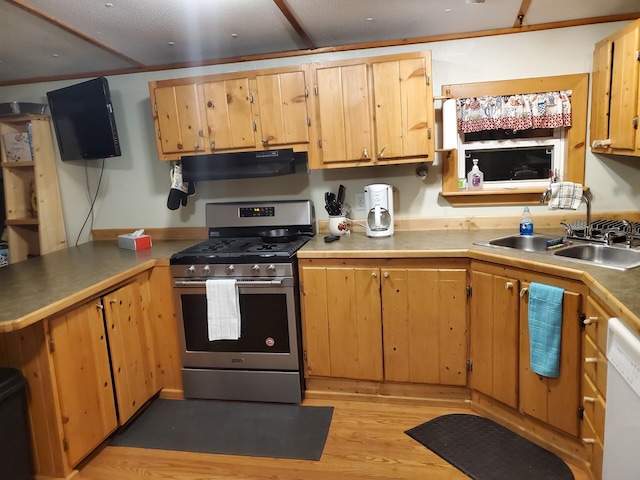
[(250, 255)]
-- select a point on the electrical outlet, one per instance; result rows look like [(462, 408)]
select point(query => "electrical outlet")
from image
[(359, 201)]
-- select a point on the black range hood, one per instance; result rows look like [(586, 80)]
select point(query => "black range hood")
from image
[(225, 166)]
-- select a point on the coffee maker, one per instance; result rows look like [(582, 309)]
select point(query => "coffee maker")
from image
[(378, 203)]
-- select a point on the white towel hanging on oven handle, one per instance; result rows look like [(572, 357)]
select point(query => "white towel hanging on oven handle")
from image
[(223, 309)]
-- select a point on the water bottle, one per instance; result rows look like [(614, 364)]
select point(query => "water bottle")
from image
[(526, 222)]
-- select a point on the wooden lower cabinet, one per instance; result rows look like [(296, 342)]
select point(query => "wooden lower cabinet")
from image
[(395, 322), (88, 370), (499, 345)]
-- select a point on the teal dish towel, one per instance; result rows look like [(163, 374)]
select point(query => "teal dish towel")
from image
[(545, 328)]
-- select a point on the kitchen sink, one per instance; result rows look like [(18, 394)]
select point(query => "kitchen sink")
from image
[(620, 258), (525, 243)]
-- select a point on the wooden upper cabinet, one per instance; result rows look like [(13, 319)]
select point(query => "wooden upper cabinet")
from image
[(179, 113), (375, 111), (615, 92), (283, 112), (403, 108), (344, 111), (229, 116)]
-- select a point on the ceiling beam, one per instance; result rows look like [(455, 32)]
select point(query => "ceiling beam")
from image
[(286, 11), (53, 21), (524, 8)]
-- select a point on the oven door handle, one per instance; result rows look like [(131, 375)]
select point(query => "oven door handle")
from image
[(202, 283)]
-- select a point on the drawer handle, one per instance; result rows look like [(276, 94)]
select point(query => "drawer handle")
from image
[(590, 320), (589, 440), (589, 400), (524, 291), (591, 360), (508, 285), (373, 275), (386, 274)]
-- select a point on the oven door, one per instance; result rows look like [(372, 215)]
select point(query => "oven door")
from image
[(269, 326)]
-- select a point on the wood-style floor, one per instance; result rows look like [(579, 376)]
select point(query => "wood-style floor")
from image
[(366, 440)]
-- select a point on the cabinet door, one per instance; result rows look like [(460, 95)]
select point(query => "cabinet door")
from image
[(493, 337), (341, 322), (282, 101), (624, 91), (600, 91), (404, 107), (345, 118), (83, 379), (229, 115), (179, 110), (424, 317), (553, 400), (131, 350)]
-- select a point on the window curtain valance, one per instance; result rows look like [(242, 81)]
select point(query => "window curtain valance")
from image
[(515, 112)]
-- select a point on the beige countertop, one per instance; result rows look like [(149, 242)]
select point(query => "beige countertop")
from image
[(42, 286)]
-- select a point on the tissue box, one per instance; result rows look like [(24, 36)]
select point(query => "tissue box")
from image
[(132, 242)]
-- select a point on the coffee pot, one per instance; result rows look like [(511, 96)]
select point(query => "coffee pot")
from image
[(378, 203)]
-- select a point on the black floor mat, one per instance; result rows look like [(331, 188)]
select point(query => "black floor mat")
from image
[(484, 450), (231, 428)]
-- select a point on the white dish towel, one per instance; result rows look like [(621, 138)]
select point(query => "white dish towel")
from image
[(565, 195), (223, 310)]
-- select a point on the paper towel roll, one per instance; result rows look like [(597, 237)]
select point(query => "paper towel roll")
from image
[(449, 125)]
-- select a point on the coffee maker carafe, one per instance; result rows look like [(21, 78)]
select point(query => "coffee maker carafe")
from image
[(378, 203)]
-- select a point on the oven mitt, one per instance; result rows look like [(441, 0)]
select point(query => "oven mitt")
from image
[(179, 190)]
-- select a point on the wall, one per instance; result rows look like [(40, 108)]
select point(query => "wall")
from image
[(134, 187)]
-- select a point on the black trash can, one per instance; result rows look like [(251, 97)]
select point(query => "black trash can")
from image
[(15, 451)]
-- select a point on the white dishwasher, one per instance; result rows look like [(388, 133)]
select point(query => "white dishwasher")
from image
[(621, 459)]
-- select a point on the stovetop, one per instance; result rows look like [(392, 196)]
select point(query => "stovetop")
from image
[(238, 250)]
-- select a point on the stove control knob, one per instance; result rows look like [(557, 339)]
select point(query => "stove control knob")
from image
[(271, 268), (206, 270), (256, 268), (191, 270), (230, 268)]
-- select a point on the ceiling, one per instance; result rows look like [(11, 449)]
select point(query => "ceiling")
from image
[(60, 39)]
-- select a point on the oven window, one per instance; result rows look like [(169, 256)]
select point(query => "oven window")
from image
[(264, 325)]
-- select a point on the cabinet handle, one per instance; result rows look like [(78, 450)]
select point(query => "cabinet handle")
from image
[(523, 291), (589, 400), (365, 154), (99, 306), (265, 141), (373, 275), (112, 301), (590, 320), (213, 144), (386, 274), (197, 146), (508, 285), (381, 154), (591, 360), (588, 440)]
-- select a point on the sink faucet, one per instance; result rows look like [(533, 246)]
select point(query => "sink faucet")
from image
[(629, 227), (586, 198)]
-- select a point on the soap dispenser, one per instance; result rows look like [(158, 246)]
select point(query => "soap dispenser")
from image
[(475, 177)]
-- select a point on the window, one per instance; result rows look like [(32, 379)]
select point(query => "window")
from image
[(511, 160)]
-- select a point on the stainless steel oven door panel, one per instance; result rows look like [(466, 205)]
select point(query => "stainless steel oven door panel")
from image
[(268, 339)]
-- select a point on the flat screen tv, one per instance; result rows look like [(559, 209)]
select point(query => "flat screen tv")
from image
[(83, 121)]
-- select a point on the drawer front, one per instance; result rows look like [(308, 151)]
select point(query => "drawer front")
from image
[(596, 323)]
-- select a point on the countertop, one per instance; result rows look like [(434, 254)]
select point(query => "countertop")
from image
[(41, 286)]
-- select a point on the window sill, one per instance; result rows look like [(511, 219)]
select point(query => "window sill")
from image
[(467, 198)]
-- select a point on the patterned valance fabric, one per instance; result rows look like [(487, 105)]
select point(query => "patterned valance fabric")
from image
[(515, 112)]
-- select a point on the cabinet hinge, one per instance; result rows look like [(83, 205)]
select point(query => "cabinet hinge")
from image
[(429, 133), (155, 107), (427, 78), (65, 444), (255, 127), (308, 121), (159, 135), (638, 55), (469, 366), (304, 355), (301, 288), (52, 345), (581, 319), (306, 91), (469, 291), (581, 413), (319, 143), (635, 122), (251, 98), (315, 90)]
